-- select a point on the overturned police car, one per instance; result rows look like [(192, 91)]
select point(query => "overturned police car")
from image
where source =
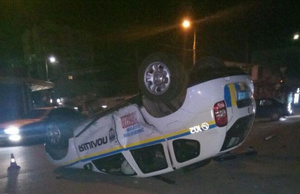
[(178, 119)]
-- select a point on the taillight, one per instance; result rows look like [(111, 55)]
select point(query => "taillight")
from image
[(220, 114)]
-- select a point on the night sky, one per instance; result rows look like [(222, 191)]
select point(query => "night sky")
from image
[(226, 28)]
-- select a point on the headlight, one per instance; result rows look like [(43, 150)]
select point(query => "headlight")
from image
[(11, 130), (14, 138)]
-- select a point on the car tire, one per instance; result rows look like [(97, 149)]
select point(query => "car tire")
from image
[(162, 77), (209, 68), (57, 140)]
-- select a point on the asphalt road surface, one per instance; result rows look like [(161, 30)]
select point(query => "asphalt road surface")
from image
[(274, 169)]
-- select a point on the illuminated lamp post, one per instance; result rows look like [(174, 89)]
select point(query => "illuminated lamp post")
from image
[(51, 60), (187, 24)]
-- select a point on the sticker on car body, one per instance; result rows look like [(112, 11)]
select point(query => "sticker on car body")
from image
[(235, 93)]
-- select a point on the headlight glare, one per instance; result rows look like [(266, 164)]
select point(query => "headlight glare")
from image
[(14, 138), (11, 130)]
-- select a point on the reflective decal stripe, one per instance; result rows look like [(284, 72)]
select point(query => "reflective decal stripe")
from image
[(242, 86), (232, 94), (227, 96), (135, 145), (178, 134)]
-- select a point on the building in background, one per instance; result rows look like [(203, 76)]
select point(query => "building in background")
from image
[(270, 83)]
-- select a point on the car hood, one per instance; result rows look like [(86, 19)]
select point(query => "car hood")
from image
[(18, 123)]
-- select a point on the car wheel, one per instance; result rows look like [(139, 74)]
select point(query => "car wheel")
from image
[(161, 77), (54, 134), (57, 140), (209, 68)]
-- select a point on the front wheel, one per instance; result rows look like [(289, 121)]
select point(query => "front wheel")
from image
[(55, 135), (57, 140)]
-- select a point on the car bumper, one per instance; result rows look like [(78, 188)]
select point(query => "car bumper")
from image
[(238, 132)]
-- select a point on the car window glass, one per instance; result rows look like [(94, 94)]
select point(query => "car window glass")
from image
[(266, 102), (186, 149), (150, 159), (115, 164)]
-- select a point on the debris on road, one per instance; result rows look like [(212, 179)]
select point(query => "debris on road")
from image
[(164, 179), (230, 156), (270, 137)]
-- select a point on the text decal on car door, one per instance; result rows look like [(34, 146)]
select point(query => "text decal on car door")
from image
[(204, 126), (130, 122), (92, 144)]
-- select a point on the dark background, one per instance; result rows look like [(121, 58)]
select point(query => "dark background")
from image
[(234, 30)]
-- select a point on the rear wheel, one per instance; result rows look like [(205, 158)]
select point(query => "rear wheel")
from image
[(210, 68), (161, 77)]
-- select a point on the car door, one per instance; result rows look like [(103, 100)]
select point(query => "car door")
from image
[(97, 145), (144, 147), (123, 143)]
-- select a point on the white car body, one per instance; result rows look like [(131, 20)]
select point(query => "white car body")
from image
[(130, 141)]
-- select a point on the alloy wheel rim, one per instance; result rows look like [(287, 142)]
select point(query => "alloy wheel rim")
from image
[(53, 134), (157, 78)]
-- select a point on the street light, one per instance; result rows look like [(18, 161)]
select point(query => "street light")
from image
[(51, 60), (187, 24), (296, 36)]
